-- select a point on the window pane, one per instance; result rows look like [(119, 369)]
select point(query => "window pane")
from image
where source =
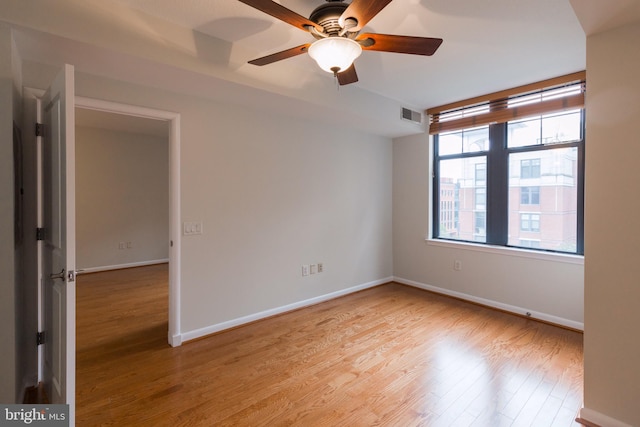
[(547, 129), (563, 127), (481, 174), (530, 195), (480, 227), (527, 243), (525, 222), (450, 143), (475, 140), (521, 133), (530, 168), (464, 141), (481, 199), (548, 180), (462, 199)]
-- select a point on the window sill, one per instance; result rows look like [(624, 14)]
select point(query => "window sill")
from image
[(514, 252)]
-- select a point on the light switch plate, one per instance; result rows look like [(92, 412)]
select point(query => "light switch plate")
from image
[(191, 228)]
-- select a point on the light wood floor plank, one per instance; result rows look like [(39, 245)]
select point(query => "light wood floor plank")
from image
[(387, 356)]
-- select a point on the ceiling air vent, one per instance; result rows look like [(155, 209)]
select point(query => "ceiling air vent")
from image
[(412, 116)]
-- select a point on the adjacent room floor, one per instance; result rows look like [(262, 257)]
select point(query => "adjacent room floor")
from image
[(389, 356)]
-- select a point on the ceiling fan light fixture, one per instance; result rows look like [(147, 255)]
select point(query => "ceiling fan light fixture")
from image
[(335, 54)]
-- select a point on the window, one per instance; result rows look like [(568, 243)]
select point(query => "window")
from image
[(530, 222), (480, 226), (480, 199), (530, 243), (458, 177), (530, 195), (530, 168), (514, 166)]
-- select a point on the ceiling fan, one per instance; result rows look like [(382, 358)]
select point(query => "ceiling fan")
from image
[(336, 27)]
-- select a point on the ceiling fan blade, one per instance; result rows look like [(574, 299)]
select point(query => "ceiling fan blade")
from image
[(400, 44), (278, 56), (362, 11), (348, 76), (282, 13)]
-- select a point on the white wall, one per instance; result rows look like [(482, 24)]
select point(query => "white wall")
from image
[(612, 270), (122, 195), (12, 293), (8, 255), (273, 194), (550, 290)]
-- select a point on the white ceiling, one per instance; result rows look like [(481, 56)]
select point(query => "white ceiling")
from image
[(489, 45)]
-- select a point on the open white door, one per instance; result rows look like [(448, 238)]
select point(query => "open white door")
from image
[(58, 253)]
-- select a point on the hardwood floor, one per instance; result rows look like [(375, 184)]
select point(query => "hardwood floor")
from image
[(389, 356)]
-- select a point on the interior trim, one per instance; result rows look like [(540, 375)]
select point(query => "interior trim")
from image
[(508, 251), (594, 417), (240, 321), (174, 192), (121, 266), (520, 311)]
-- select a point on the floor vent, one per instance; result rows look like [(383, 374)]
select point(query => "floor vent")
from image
[(412, 116)]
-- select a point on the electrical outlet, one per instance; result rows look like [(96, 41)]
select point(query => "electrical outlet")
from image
[(313, 268), (305, 270), (129, 245), (320, 267), (457, 265), (121, 245)]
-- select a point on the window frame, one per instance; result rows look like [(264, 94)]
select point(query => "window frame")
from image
[(497, 187)]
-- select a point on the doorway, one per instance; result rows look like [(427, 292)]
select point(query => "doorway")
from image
[(122, 191), (126, 116)]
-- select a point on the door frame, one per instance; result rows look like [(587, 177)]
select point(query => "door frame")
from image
[(174, 334)]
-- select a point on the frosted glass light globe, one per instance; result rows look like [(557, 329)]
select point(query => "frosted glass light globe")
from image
[(335, 54)]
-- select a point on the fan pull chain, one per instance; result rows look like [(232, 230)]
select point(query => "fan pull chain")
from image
[(335, 77)]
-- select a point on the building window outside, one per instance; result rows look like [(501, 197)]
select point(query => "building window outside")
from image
[(530, 222), (480, 199), (530, 243), (530, 195), (530, 168), (480, 219)]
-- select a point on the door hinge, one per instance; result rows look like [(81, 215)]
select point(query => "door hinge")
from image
[(40, 338), (39, 233), (39, 129)]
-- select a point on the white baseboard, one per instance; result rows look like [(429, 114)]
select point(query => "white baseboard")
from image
[(198, 333), (121, 266), (175, 340), (495, 304), (600, 419)]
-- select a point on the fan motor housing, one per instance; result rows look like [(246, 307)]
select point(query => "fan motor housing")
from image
[(327, 16)]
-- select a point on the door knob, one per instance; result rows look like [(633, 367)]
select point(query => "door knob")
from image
[(60, 275)]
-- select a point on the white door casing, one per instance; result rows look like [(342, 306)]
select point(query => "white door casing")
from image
[(175, 229)]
